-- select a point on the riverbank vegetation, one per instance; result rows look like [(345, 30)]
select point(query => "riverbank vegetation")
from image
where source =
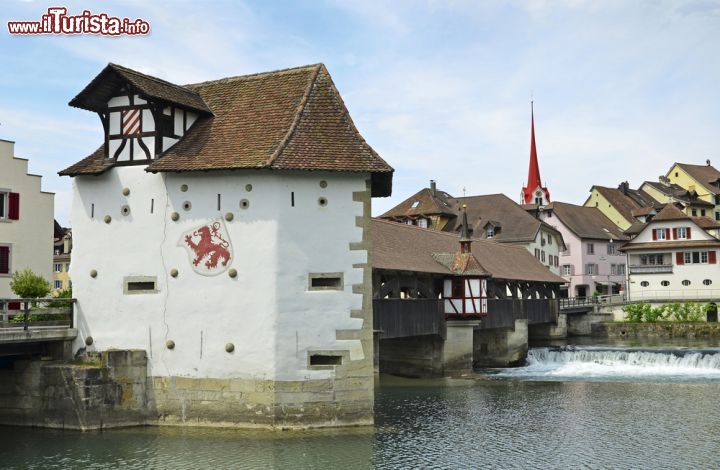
[(686, 312)]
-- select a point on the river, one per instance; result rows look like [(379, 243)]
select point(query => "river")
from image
[(580, 406)]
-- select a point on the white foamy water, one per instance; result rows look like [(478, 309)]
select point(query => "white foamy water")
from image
[(572, 363)]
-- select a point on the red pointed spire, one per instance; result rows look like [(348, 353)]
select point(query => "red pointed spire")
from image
[(534, 183)]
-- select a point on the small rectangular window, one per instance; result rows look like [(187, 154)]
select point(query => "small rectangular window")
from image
[(58, 268), (58, 284), (325, 281), (5, 260), (325, 360), (140, 285), (591, 248), (3, 204)]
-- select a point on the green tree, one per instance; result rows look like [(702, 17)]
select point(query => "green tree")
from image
[(28, 285)]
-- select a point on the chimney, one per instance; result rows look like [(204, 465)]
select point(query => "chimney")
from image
[(707, 162), (433, 187)]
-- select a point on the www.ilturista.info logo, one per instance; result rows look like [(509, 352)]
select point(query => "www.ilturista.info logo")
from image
[(57, 21)]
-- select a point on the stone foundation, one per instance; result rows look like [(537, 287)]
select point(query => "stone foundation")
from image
[(108, 393), (501, 347), (656, 330), (113, 390)]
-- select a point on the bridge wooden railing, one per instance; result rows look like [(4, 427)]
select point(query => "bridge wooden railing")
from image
[(400, 318), (36, 313), (502, 313)]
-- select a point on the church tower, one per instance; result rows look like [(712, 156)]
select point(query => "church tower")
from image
[(534, 192)]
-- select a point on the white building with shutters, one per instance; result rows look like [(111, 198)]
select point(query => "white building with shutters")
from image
[(674, 258), (26, 222)]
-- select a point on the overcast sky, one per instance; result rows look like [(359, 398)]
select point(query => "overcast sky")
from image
[(440, 89)]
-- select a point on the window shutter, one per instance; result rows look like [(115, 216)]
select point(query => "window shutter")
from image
[(667, 234), (14, 206), (679, 258), (4, 260), (654, 233), (687, 233), (674, 234), (711, 257)]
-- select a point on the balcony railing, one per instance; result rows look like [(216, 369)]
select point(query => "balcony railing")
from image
[(675, 294), (651, 268), (36, 313)]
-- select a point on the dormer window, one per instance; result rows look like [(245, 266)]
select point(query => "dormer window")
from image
[(489, 231), (415, 205)]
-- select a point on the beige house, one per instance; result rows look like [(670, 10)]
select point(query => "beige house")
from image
[(26, 222)]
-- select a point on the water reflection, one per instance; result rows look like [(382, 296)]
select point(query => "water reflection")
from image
[(474, 423)]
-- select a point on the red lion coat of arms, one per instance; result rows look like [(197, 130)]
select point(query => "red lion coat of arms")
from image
[(208, 247)]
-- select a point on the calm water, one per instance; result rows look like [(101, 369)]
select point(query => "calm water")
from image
[(579, 407)]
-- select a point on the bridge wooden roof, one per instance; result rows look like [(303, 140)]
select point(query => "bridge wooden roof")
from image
[(404, 247)]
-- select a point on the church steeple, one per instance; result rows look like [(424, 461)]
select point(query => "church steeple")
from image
[(534, 192)]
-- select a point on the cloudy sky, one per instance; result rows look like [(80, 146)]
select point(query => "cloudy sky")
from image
[(441, 89)]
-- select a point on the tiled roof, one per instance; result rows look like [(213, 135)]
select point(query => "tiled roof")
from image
[(587, 222), (516, 224), (670, 212), (96, 94), (679, 193), (703, 174), (626, 201), (409, 248), (706, 223), (424, 203), (291, 119), (461, 263)]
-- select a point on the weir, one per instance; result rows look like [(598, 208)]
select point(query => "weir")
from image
[(600, 363)]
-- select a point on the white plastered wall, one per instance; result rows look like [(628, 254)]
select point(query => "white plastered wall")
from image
[(266, 312)]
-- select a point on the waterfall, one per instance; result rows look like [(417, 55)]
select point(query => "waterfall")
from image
[(594, 363)]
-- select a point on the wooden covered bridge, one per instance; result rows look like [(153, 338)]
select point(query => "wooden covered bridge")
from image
[(444, 303)]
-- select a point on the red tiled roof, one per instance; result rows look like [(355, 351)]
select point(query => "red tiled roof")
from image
[(292, 119)]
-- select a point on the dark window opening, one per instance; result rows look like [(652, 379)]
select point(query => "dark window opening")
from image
[(141, 285), (326, 282), (325, 360)]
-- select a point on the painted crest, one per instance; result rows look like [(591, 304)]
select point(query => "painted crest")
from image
[(208, 247)]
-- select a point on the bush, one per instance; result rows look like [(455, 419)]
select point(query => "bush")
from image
[(28, 285), (637, 313), (687, 312)]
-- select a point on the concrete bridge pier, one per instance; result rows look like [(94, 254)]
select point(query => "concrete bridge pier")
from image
[(501, 347), (558, 330), (457, 349)]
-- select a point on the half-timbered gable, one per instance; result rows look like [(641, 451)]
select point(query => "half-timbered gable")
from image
[(142, 116)]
